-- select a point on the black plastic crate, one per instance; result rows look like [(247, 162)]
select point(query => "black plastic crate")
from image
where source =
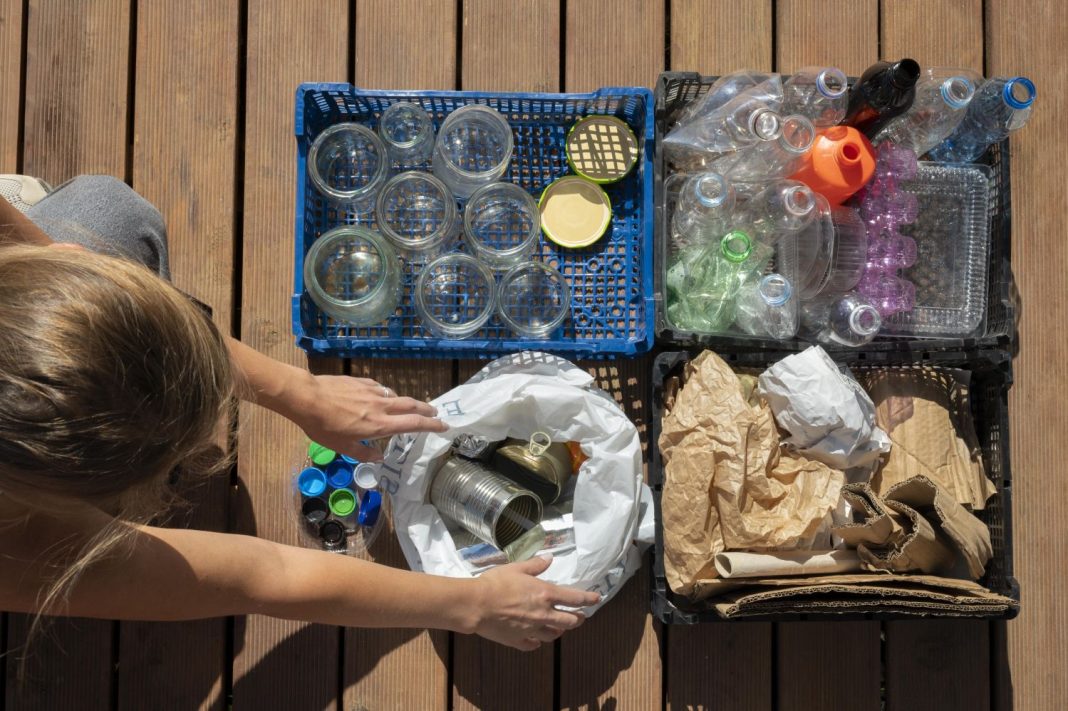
[(991, 378), (674, 90)]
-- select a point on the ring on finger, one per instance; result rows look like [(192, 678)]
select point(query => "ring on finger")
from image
[(386, 392)]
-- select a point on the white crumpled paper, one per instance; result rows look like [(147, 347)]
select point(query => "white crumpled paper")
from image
[(516, 396), (828, 415)]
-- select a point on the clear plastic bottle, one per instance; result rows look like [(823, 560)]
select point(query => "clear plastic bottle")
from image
[(729, 86), (703, 209), (942, 98), (999, 107), (883, 91), (704, 281), (784, 206), (767, 307), (846, 320), (820, 94), (743, 121), (771, 159)]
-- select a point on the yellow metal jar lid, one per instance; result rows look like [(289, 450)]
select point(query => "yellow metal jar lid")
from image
[(601, 148), (574, 212)]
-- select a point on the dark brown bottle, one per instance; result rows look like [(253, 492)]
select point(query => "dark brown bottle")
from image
[(884, 91)]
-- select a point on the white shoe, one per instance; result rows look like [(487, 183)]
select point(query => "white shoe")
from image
[(23, 191)]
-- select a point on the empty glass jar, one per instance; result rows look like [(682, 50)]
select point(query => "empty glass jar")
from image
[(348, 163), (353, 275), (455, 296), (502, 224), (473, 147), (535, 299), (418, 214), (408, 133)]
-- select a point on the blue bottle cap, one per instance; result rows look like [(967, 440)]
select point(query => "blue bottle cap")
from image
[(1008, 92), (311, 481), (339, 473), (349, 460), (370, 507)]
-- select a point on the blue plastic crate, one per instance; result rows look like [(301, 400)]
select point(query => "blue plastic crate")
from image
[(612, 309)]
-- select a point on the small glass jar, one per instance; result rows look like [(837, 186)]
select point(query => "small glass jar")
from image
[(473, 147), (353, 275), (408, 133), (348, 163), (417, 213), (535, 299), (455, 296), (502, 224)]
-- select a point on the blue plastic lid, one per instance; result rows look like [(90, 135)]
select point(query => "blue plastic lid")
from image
[(1010, 86), (311, 481), (339, 473), (370, 506), (350, 460)]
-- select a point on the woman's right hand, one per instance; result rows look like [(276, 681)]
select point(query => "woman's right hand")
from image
[(517, 609)]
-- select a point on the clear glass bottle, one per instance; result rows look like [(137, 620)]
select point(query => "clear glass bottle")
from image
[(845, 320), (999, 107), (767, 307), (820, 94), (942, 98), (703, 209)]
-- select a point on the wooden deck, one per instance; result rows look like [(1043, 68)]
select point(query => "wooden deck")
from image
[(191, 102)]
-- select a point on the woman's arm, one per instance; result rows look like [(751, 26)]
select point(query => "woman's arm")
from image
[(179, 574), (16, 228), (334, 410)]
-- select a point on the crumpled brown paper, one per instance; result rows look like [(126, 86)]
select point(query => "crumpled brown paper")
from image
[(916, 526), (727, 485), (927, 415)]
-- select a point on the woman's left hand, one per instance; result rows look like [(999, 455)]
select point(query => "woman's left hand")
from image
[(338, 411)]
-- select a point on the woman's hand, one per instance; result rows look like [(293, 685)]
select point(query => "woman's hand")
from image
[(519, 610), (339, 411)]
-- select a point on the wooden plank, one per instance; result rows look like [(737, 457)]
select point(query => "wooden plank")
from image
[(613, 43), (841, 33), (486, 675), (62, 669), (742, 32), (1038, 424), (511, 46), (75, 125), (278, 663), (814, 657), (925, 671), (398, 668), (11, 54), (77, 76), (720, 666), (615, 656), (936, 33), (401, 45), (185, 139), (828, 666)]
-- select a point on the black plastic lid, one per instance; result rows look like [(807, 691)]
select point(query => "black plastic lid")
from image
[(904, 74), (332, 533)]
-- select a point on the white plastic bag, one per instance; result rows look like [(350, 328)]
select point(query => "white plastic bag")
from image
[(516, 396)]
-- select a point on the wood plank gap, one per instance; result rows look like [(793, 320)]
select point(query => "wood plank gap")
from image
[(131, 89), (116, 667), (562, 79), (241, 71), (21, 134)]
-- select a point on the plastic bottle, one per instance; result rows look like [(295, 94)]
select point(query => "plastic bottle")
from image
[(704, 281), (846, 320), (942, 98), (727, 87), (770, 159), (840, 162), (703, 209), (999, 107), (820, 94), (784, 206), (743, 121), (883, 91), (767, 307)]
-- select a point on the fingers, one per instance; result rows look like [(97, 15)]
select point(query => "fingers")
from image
[(408, 406), (534, 566), (526, 645), (363, 453), (397, 424), (547, 634), (561, 620), (570, 597)]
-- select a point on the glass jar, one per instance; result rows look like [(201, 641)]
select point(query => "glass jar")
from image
[(353, 275), (473, 148)]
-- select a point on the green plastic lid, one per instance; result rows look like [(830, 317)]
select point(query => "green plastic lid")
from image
[(736, 246), (320, 455), (342, 502)]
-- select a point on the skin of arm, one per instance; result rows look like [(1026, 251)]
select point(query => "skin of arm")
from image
[(180, 574)]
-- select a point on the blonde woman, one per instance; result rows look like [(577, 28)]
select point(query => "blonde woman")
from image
[(111, 380)]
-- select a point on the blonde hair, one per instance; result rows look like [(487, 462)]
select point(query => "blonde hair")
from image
[(110, 380)]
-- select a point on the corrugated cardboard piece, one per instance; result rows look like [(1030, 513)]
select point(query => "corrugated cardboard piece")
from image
[(927, 415)]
